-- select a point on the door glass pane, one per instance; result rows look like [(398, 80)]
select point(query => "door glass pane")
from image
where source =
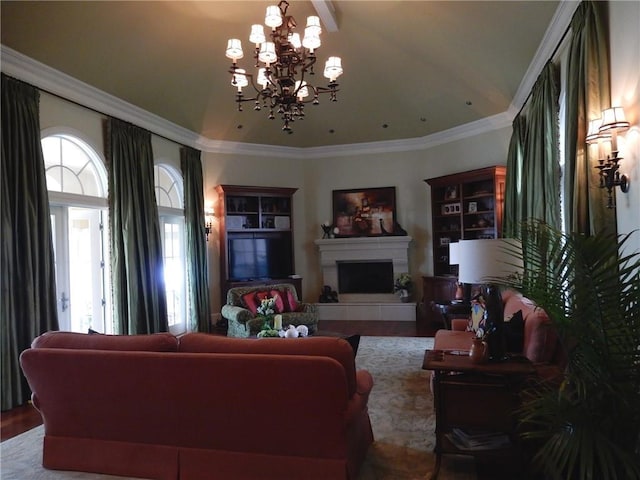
[(174, 272)]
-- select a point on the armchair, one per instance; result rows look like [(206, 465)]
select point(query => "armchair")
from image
[(240, 313)]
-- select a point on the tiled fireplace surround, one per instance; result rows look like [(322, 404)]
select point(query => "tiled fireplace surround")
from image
[(364, 306)]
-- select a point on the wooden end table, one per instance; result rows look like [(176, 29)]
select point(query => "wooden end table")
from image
[(450, 310), (474, 405)]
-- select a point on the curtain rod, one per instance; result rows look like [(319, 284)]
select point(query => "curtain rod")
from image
[(57, 95), (555, 50)]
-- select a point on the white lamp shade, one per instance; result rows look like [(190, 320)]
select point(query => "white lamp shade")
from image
[(482, 261), (333, 68), (594, 134), (273, 18), (262, 78), (267, 53), (313, 22), (239, 79), (234, 49), (257, 34), (301, 89), (294, 39), (311, 39), (614, 119), (454, 256)]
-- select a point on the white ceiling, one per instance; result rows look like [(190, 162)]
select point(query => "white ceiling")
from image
[(412, 68)]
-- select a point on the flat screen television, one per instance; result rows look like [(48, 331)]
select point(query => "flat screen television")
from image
[(259, 256)]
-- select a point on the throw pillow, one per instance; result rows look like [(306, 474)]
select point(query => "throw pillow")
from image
[(514, 333), (279, 307), (291, 300), (251, 301)]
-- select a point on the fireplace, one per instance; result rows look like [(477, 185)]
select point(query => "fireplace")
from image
[(365, 276), (350, 264)]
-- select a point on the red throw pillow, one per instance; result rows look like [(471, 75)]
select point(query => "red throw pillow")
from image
[(251, 301), (291, 300), (261, 295), (279, 306)]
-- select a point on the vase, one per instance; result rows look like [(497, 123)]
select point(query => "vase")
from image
[(404, 296), (479, 352)]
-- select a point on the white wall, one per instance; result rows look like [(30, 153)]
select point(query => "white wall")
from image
[(625, 92)]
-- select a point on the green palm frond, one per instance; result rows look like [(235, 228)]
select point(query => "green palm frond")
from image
[(589, 427)]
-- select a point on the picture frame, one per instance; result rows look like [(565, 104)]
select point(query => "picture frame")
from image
[(450, 208), (473, 207), (445, 241), (364, 212), (451, 193)]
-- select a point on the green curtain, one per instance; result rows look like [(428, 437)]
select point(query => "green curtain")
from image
[(541, 167), (588, 94), (196, 248), (28, 285), (139, 297), (513, 211)]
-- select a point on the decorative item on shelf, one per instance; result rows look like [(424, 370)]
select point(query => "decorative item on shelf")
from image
[(327, 229), (484, 262), (451, 193), (402, 287), (284, 61), (473, 207), (328, 295), (606, 129), (450, 208)]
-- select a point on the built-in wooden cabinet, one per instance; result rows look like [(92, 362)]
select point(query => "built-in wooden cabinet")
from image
[(256, 235), (464, 206)]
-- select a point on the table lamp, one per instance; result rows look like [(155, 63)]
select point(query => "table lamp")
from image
[(483, 262)]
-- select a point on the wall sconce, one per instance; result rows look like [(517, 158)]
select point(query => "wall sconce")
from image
[(208, 220), (603, 129)]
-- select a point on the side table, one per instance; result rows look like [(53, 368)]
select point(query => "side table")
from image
[(474, 405)]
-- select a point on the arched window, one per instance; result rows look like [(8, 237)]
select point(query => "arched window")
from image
[(77, 184), (169, 197)]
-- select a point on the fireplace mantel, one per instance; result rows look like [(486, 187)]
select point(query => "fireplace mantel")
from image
[(382, 306)]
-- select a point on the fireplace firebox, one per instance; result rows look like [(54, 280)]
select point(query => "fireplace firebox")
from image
[(365, 276)]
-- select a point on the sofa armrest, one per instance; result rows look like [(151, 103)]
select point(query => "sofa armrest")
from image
[(237, 314), (307, 307), (360, 399)]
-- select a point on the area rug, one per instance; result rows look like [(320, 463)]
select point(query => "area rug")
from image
[(400, 406)]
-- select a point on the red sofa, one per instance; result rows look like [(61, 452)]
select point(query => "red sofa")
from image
[(200, 406), (540, 340)]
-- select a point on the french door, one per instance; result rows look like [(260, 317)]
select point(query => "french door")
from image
[(81, 268)]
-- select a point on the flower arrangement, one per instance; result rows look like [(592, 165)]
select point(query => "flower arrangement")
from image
[(402, 283), (267, 306)]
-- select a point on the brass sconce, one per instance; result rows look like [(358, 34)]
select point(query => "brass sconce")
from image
[(606, 129)]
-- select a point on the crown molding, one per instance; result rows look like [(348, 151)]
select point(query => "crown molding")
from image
[(53, 81)]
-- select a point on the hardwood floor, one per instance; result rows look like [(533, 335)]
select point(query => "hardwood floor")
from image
[(18, 420)]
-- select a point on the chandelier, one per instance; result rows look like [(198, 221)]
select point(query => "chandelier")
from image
[(284, 62)]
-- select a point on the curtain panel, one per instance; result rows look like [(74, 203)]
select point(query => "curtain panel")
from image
[(196, 248), (513, 206), (588, 95), (138, 290), (28, 283)]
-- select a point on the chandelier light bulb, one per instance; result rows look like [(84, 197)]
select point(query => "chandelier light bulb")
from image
[(267, 53), (239, 79), (257, 35), (273, 18), (333, 68), (294, 39), (234, 49), (311, 40)]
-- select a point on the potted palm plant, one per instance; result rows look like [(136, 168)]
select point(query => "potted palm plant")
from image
[(587, 425)]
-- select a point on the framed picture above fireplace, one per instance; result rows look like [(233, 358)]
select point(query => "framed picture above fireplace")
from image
[(365, 212)]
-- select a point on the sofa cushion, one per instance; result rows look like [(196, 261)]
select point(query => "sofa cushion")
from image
[(332, 347), (156, 342), (251, 302), (291, 300), (280, 305)]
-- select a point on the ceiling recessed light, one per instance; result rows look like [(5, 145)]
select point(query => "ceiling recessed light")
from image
[(332, 131), (239, 127), (469, 103), (385, 125), (423, 119)]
